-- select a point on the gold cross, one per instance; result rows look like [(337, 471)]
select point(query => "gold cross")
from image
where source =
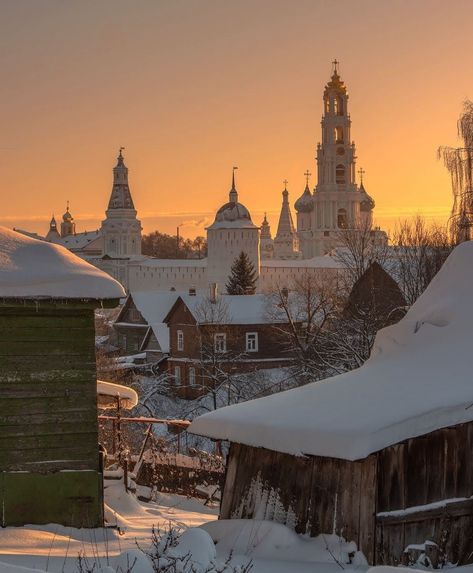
[(335, 64), (361, 172), (307, 175), (285, 184)]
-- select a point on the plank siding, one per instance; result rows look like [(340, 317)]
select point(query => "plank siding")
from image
[(324, 495), (48, 394)]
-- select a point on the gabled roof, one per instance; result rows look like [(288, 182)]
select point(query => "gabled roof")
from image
[(153, 307), (229, 309), (417, 380)]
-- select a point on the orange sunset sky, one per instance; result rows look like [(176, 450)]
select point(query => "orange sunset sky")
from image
[(192, 87)]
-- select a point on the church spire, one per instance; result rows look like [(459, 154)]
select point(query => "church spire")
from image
[(233, 195), (121, 195), (285, 225)]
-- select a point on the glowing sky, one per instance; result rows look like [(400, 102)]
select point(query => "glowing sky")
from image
[(193, 87)]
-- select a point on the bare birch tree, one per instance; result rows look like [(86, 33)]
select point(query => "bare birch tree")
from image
[(459, 162)]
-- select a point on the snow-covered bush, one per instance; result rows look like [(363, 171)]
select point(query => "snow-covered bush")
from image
[(191, 551)]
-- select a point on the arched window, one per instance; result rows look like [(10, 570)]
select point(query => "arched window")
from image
[(342, 220), (340, 174), (335, 106), (339, 106), (339, 134), (327, 106)]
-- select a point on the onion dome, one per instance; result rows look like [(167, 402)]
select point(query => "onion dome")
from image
[(67, 215), (305, 203), (367, 202)]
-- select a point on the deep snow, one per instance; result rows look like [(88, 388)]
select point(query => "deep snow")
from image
[(418, 379), (34, 269)]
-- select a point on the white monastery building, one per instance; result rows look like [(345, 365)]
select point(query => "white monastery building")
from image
[(337, 203)]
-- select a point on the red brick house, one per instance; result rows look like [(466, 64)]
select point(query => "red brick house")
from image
[(235, 334)]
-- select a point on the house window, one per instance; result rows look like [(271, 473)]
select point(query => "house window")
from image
[(177, 374), (220, 342), (124, 342), (180, 340), (191, 376), (252, 342)]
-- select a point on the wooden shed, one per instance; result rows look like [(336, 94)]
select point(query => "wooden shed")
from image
[(49, 456), (383, 455)]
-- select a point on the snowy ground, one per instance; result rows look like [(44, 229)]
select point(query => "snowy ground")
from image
[(271, 548)]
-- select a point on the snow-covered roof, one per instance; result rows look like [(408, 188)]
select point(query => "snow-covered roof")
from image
[(233, 309), (79, 240), (154, 307), (417, 380), (36, 269), (108, 392)]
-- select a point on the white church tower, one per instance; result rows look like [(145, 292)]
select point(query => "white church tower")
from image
[(231, 233), (121, 230), (338, 202)]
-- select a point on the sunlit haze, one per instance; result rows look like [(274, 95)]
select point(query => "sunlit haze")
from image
[(192, 88)]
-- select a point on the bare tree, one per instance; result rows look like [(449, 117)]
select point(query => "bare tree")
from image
[(459, 162), (418, 253), (359, 248), (302, 315)]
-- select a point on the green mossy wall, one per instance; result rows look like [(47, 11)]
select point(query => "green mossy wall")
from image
[(48, 414)]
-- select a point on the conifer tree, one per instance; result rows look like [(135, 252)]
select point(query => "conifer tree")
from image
[(242, 279)]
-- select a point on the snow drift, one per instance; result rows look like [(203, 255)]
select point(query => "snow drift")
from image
[(417, 380), (33, 269)]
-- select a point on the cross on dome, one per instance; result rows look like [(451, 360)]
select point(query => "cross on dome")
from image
[(361, 172), (307, 175)]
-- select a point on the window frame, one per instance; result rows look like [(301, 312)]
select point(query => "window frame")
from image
[(180, 340), (192, 377), (220, 348), (254, 340), (177, 374)]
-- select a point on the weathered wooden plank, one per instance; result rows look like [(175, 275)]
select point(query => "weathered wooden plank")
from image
[(42, 424), (455, 509), (41, 335), (230, 481), (30, 348), (57, 365), (367, 507), (69, 399)]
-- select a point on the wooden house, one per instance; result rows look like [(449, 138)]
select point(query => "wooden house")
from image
[(234, 333), (140, 328), (49, 454), (382, 455)]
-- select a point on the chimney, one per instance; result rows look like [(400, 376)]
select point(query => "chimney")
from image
[(192, 291), (213, 292)]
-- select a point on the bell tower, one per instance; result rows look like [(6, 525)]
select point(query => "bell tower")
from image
[(337, 198)]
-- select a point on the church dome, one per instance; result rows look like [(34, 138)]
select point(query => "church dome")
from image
[(305, 203), (67, 215), (367, 202), (233, 214), (232, 211)]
